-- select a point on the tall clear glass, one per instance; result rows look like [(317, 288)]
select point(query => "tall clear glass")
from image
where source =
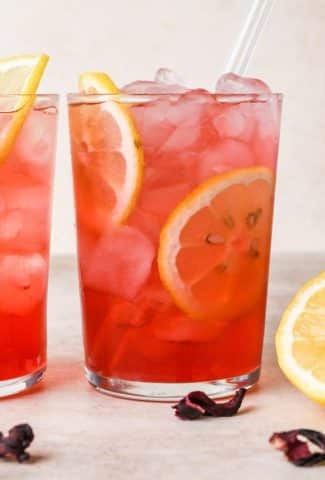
[(26, 177), (174, 201)]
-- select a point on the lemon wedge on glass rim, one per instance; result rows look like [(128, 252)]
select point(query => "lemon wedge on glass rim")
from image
[(123, 170), (19, 75), (300, 340)]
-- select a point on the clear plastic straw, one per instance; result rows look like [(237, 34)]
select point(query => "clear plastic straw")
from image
[(247, 40)]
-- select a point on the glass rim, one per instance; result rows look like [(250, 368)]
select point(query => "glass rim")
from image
[(11, 103), (76, 98), (40, 95)]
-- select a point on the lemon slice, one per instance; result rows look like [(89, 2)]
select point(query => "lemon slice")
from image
[(97, 82), (18, 75), (300, 340), (114, 149), (214, 247)]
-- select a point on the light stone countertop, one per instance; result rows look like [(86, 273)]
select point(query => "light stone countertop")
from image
[(82, 434)]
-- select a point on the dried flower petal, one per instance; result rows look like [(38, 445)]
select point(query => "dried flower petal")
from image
[(198, 404), (302, 447), (15, 443)]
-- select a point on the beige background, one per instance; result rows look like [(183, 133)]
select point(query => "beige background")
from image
[(130, 39)]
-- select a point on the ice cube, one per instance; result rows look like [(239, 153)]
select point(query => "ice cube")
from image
[(161, 201), (149, 87), (152, 299), (153, 124), (146, 222), (34, 148), (23, 281), (10, 226), (119, 262), (188, 115), (168, 77), (266, 151), (24, 225), (266, 138), (128, 314), (170, 168), (139, 87), (174, 135), (136, 313), (234, 121), (185, 136), (232, 83), (267, 114), (190, 107), (223, 156)]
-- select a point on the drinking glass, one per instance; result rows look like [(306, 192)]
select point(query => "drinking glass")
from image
[(174, 200), (26, 174)]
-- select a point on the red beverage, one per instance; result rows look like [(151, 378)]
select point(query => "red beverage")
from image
[(25, 203), (174, 237)]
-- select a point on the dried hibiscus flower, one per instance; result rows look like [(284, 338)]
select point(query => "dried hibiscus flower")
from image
[(15, 443), (198, 404), (303, 447)]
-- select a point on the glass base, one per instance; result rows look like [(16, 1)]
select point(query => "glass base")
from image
[(169, 392), (16, 385)]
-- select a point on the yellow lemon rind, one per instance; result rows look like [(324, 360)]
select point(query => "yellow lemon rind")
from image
[(101, 83), (25, 103), (298, 376)]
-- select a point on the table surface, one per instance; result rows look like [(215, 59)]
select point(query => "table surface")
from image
[(83, 434)]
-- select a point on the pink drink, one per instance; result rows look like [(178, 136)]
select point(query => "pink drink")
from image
[(138, 341), (25, 204)]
